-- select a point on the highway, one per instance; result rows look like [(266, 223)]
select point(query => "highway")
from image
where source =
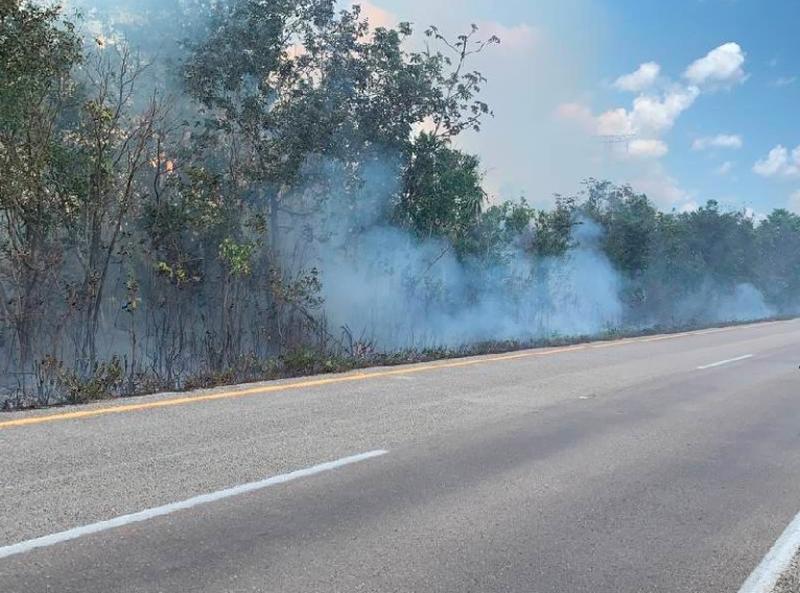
[(656, 464)]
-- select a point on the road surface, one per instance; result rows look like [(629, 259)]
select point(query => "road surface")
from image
[(659, 464)]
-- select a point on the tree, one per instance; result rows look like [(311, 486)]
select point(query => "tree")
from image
[(442, 192), (113, 143), (777, 259), (291, 80), (724, 242), (628, 220), (38, 52), (553, 229)]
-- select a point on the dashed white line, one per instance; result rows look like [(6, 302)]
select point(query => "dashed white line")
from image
[(723, 362), (75, 533), (766, 575)]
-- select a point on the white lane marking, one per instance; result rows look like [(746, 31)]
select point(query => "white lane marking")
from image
[(70, 534), (722, 362), (764, 578)]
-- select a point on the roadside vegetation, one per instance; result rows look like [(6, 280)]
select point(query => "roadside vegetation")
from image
[(198, 220)]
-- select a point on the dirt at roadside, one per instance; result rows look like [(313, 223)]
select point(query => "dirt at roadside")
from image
[(790, 581)]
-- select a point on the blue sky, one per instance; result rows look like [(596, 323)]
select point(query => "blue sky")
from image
[(725, 95)]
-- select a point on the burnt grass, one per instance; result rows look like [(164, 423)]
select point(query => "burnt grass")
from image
[(110, 382)]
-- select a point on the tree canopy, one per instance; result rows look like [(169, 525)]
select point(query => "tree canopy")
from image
[(296, 190)]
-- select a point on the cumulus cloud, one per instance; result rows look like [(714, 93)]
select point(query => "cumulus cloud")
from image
[(779, 162), (721, 67), (616, 122), (636, 133), (644, 77), (733, 141), (654, 112), (650, 114), (658, 114), (647, 148)]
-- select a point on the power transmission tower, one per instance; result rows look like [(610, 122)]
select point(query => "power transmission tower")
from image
[(612, 139)]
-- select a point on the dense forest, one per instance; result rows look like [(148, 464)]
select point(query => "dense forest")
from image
[(286, 194)]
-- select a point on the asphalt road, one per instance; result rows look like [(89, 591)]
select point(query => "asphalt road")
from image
[(618, 467)]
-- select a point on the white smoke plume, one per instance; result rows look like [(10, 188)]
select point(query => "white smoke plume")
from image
[(397, 291)]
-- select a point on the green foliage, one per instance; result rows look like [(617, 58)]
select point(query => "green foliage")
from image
[(198, 233), (442, 191), (180, 225), (553, 228), (669, 257), (691, 248), (456, 108), (38, 50), (498, 228), (723, 240), (300, 361), (628, 220), (777, 266), (236, 257), (104, 382), (298, 81)]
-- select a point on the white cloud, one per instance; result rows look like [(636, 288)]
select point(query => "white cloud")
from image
[(647, 148), (658, 114), (724, 168), (650, 115), (654, 112), (721, 67), (644, 77), (779, 162), (733, 141), (637, 132), (616, 122), (777, 159)]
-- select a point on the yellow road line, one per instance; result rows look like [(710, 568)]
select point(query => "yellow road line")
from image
[(347, 378), (612, 343), (178, 401)]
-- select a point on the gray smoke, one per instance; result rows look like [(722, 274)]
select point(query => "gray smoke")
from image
[(397, 291), (712, 304), (390, 288)]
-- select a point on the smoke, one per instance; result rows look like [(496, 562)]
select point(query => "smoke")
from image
[(395, 290), (712, 304), (388, 287)]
